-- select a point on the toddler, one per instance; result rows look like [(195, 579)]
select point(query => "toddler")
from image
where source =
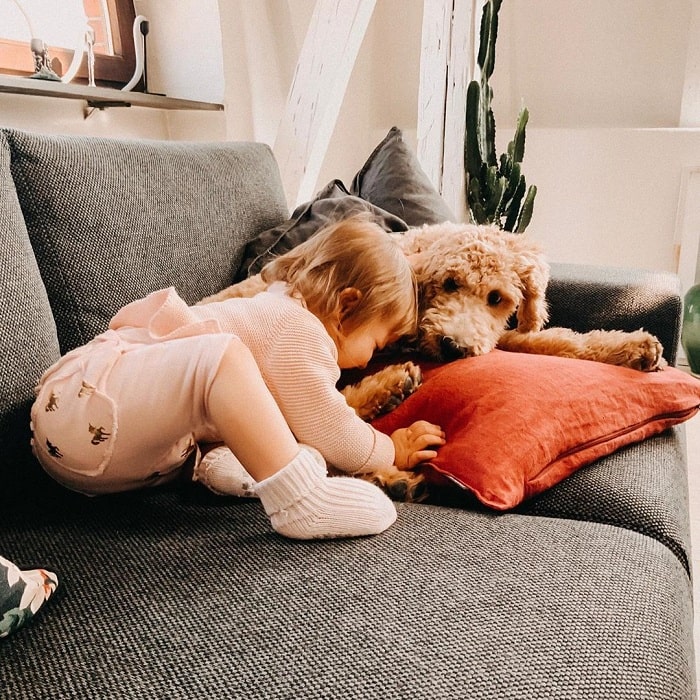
[(167, 380)]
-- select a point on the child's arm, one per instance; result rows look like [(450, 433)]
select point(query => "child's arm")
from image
[(302, 372)]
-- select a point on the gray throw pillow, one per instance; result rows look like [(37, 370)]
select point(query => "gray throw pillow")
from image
[(333, 203), (393, 179), (391, 186)]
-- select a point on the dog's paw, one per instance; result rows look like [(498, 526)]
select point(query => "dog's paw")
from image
[(404, 486), (383, 391), (401, 382), (644, 352)]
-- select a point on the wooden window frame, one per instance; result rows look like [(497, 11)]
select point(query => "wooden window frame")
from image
[(110, 71)]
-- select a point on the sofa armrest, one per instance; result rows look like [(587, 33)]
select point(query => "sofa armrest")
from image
[(585, 297)]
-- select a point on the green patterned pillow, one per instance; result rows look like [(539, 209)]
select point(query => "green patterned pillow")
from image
[(22, 593)]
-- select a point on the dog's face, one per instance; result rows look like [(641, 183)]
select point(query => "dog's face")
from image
[(471, 281)]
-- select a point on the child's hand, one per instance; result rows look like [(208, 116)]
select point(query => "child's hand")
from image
[(410, 443)]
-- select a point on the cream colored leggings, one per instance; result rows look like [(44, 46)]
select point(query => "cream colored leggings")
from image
[(116, 416)]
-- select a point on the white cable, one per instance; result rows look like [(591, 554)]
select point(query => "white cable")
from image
[(26, 17), (77, 58), (138, 49)]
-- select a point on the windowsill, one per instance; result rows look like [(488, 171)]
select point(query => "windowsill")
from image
[(96, 96)]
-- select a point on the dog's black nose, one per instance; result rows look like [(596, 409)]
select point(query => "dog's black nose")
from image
[(450, 350)]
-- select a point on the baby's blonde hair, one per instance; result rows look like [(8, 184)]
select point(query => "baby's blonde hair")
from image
[(354, 253)]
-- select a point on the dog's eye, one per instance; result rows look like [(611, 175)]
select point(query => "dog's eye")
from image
[(494, 298), (450, 285)]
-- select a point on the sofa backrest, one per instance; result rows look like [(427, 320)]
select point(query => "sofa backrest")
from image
[(28, 341), (113, 220), (102, 222)]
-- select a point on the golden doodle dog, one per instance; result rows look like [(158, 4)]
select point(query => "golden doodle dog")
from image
[(472, 280)]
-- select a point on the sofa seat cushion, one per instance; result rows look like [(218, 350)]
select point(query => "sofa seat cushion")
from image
[(28, 342), (113, 220), (185, 595), (642, 487), (560, 437)]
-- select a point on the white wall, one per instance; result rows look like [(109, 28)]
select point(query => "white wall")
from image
[(184, 49), (263, 40), (609, 196), (592, 64), (607, 85), (49, 115), (383, 89)]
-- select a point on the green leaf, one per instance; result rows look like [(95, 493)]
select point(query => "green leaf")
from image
[(526, 213), (472, 153), (514, 206), (519, 139)]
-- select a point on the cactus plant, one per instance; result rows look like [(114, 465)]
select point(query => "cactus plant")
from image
[(496, 188)]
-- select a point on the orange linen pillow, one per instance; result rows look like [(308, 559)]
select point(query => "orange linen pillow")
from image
[(517, 424)]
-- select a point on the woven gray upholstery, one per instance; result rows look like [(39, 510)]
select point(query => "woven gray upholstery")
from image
[(113, 220), (586, 297), (165, 597), (642, 487), (28, 343)]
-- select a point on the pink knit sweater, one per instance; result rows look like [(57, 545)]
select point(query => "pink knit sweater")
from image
[(297, 359)]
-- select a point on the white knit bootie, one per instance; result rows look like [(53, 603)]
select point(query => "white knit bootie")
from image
[(221, 472), (304, 503)]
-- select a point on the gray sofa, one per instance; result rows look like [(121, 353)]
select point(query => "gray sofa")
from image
[(582, 592)]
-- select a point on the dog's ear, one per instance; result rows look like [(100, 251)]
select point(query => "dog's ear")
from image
[(533, 271)]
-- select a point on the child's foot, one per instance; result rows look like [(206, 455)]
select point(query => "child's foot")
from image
[(221, 472), (304, 503)]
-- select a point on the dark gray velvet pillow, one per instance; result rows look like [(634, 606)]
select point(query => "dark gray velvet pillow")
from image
[(112, 220), (333, 203), (393, 179), (28, 343)]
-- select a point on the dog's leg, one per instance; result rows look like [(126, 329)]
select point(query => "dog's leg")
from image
[(377, 394), (638, 350), (383, 391), (405, 486), (399, 485), (247, 288)]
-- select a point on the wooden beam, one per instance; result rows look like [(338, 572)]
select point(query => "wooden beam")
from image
[(447, 65), (690, 105), (432, 88), (325, 63)]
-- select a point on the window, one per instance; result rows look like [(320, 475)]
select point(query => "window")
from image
[(61, 24)]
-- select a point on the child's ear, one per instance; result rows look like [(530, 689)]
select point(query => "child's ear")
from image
[(348, 300)]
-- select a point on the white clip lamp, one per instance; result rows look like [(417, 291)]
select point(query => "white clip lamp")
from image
[(42, 64), (140, 31)]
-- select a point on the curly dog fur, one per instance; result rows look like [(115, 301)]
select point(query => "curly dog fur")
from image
[(472, 281)]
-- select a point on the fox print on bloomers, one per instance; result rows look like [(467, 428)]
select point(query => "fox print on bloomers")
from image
[(74, 423)]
